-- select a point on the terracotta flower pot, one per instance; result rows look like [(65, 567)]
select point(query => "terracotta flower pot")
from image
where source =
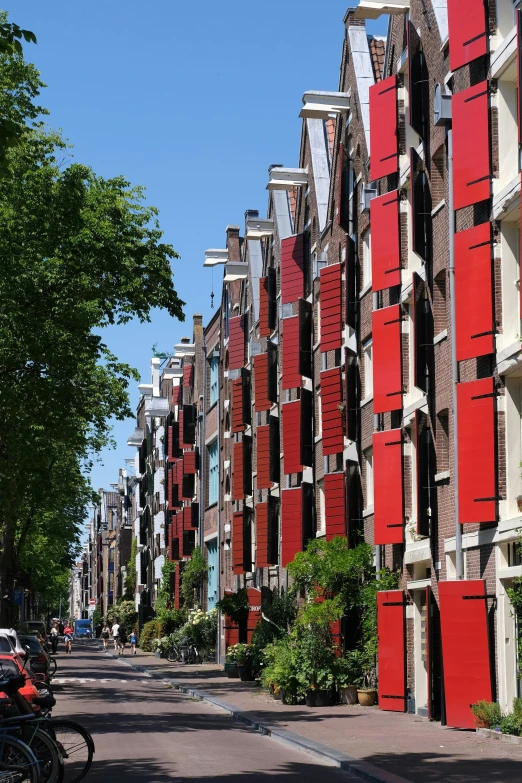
[(367, 697), (348, 694)]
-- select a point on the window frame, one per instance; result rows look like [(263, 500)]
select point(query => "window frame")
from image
[(214, 380), (213, 473)]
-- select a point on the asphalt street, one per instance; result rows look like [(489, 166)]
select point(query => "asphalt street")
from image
[(146, 731)]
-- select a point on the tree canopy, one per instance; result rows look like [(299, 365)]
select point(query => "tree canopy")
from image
[(77, 252)]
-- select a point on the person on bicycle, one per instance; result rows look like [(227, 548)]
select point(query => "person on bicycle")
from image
[(54, 638), (105, 633), (133, 639), (68, 635), (116, 635)]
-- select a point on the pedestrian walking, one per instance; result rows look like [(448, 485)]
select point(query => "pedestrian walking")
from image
[(122, 640), (116, 635), (54, 638), (133, 639), (68, 632), (105, 633)]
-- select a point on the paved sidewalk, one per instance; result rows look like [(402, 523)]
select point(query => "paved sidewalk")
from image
[(404, 745)]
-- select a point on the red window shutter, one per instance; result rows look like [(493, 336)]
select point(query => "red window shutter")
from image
[(238, 424), (471, 155), (474, 292), (476, 451), (263, 457), (189, 462), (384, 137), (468, 31), (238, 555), (238, 483), (170, 442), (331, 399), (291, 416), (180, 422), (264, 309), (388, 489), (335, 505), (387, 359), (188, 375), (236, 343), (177, 394), (292, 378), (465, 649), (386, 250), (262, 535), (187, 518), (391, 651), (179, 472), (292, 269), (231, 632), (291, 524), (331, 307), (262, 403)]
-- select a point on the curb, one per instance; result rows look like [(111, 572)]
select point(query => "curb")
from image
[(360, 769)]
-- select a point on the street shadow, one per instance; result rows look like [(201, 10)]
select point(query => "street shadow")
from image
[(437, 767), (149, 771)]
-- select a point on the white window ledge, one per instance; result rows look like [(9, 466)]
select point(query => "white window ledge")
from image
[(368, 512), (504, 55), (366, 400), (444, 475), (419, 584), (364, 291), (440, 337)]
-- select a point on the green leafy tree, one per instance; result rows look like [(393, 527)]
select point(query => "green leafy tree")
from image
[(193, 576), (77, 252), (164, 595), (131, 576)]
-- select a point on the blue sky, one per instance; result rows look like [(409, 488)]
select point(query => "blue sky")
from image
[(193, 101)]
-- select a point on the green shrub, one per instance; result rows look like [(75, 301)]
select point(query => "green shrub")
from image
[(517, 707), (150, 631), (511, 724), (171, 620), (202, 629), (487, 714)]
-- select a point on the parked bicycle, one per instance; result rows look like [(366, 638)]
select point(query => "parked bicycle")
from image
[(186, 652), (63, 748)]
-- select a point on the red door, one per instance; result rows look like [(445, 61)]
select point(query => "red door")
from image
[(391, 651), (465, 649)]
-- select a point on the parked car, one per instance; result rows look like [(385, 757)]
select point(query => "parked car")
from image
[(17, 645), (38, 658), (34, 627)]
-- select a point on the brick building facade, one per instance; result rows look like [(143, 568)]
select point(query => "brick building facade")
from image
[(362, 372)]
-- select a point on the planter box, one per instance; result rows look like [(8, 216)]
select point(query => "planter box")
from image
[(319, 698), (367, 698), (231, 671), (497, 735), (159, 654), (348, 695), (245, 673)]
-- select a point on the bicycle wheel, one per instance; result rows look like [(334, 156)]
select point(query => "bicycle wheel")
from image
[(75, 745), (48, 756), (173, 655), (53, 665), (18, 764)]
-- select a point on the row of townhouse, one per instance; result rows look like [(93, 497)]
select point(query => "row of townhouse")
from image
[(99, 578), (362, 375)]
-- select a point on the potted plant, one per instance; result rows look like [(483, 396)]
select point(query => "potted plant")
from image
[(244, 662), (367, 693), (279, 673), (315, 653), (231, 669), (348, 674)]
